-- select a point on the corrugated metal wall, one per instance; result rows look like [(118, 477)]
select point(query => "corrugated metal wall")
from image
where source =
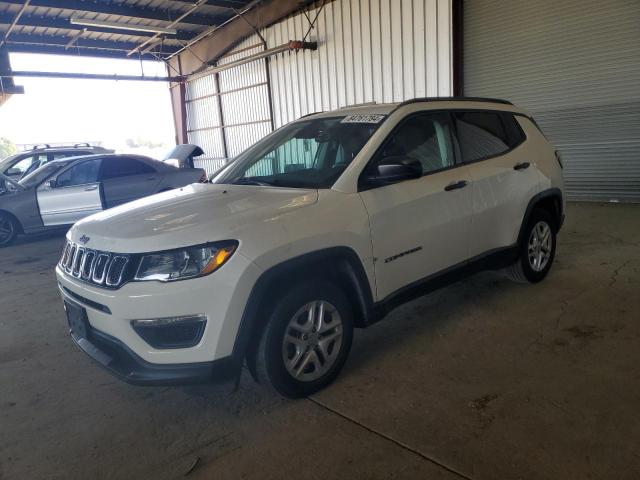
[(368, 50), (575, 65)]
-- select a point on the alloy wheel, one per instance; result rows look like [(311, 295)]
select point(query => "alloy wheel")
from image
[(540, 246), (312, 341)]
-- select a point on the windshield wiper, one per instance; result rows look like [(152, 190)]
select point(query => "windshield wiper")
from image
[(249, 181)]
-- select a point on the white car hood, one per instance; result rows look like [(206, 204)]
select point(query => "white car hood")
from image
[(191, 215)]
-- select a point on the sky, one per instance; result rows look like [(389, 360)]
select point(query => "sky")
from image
[(69, 110)]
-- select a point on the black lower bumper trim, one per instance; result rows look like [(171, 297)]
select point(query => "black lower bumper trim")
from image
[(118, 359)]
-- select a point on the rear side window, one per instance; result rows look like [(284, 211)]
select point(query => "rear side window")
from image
[(123, 167), (486, 134)]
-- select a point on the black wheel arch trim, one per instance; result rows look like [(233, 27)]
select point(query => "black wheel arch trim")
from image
[(551, 193), (345, 262)]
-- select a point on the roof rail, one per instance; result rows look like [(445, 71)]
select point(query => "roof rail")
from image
[(83, 144), (455, 99), (45, 145), (364, 104)]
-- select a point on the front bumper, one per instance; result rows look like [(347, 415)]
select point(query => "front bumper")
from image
[(115, 345), (119, 360)]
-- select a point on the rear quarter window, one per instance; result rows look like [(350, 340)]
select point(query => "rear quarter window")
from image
[(486, 134)]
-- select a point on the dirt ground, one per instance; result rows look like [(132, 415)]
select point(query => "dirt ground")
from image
[(485, 379)]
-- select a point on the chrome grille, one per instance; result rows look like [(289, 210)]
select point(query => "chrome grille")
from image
[(93, 266)]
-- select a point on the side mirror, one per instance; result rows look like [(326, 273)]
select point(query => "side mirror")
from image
[(52, 183), (12, 172), (393, 169)]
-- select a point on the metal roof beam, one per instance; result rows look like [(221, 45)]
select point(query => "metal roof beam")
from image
[(82, 44), (125, 11), (15, 21), (75, 51), (50, 22)]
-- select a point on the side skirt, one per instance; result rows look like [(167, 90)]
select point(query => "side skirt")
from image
[(492, 260)]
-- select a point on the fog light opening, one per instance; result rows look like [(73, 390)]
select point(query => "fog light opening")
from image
[(171, 332)]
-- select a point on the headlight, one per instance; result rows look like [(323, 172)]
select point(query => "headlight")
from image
[(185, 263)]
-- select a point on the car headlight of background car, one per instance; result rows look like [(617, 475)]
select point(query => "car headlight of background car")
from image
[(183, 263)]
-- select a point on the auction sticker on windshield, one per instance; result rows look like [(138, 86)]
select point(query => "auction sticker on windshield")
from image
[(371, 118)]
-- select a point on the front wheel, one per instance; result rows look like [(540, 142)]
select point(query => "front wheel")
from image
[(306, 340), (8, 230), (537, 249)]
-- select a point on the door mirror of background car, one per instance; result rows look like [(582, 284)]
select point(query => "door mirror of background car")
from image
[(52, 183), (393, 169)]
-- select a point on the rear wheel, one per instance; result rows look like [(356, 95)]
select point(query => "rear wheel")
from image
[(306, 340), (537, 249), (8, 230)]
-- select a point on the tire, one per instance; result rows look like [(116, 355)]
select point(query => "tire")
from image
[(8, 230), (535, 267), (313, 341)]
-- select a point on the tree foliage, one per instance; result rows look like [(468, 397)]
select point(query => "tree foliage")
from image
[(7, 147)]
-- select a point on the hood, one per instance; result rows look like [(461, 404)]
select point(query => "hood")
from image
[(191, 215)]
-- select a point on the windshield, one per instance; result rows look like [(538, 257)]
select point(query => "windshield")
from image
[(42, 173), (305, 154)]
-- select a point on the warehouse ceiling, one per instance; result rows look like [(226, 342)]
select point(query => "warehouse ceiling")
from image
[(114, 28)]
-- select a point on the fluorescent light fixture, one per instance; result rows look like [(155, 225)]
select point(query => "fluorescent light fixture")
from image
[(121, 26)]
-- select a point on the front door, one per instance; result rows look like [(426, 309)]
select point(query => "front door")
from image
[(419, 227), (73, 194)]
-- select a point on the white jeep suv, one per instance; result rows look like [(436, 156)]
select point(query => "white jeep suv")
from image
[(324, 225)]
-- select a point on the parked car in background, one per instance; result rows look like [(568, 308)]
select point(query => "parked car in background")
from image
[(62, 192), (324, 225), (23, 163)]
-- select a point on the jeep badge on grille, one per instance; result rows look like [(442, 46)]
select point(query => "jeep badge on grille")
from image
[(84, 239)]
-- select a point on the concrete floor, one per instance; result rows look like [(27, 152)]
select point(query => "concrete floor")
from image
[(485, 380)]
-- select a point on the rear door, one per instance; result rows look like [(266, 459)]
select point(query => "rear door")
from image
[(419, 227), (74, 195), (503, 172), (125, 179)]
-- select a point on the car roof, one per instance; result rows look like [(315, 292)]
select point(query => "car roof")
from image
[(430, 103)]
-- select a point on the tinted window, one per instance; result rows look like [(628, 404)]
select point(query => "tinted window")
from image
[(80, 174), (123, 167), (515, 135), (481, 134), (423, 137)]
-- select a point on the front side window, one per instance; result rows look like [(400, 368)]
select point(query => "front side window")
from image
[(425, 137), (80, 174), (116, 167), (304, 154), (486, 134)]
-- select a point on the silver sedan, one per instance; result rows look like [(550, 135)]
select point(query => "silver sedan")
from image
[(64, 191)]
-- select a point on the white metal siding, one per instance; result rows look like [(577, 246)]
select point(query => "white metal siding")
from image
[(368, 50), (575, 65)]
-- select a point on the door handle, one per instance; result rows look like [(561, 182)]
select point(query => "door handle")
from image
[(521, 166), (456, 185), (90, 189)]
